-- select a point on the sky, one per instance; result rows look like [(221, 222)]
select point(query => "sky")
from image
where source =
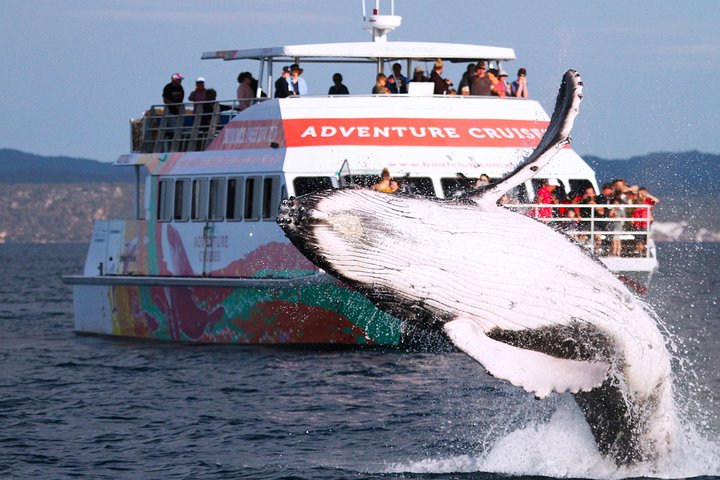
[(75, 71)]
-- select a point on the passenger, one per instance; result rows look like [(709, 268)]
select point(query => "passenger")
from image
[(419, 75), (207, 108), (465, 90), (245, 94), (394, 186), (296, 82), (571, 224), (546, 196), (496, 86), (519, 87), (481, 85), (441, 85), (502, 76), (174, 94), (282, 84), (380, 84), (605, 198), (623, 197), (467, 77), (397, 83), (384, 184), (338, 88), (198, 95), (616, 228), (621, 190), (588, 197), (643, 218), (483, 181)]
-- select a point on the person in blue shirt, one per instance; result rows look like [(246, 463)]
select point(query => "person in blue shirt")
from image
[(397, 83)]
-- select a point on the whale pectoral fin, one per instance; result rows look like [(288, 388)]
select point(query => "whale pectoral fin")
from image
[(536, 372), (557, 135)]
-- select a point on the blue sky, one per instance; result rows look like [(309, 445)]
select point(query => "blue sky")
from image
[(75, 71)]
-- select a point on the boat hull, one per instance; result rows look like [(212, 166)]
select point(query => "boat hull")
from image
[(213, 311)]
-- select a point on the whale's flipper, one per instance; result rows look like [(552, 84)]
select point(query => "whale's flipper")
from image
[(556, 137), (536, 372)]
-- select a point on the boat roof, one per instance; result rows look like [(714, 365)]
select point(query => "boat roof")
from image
[(361, 52)]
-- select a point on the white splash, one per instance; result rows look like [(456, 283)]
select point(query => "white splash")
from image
[(563, 447)]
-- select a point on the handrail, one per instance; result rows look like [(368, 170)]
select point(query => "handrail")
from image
[(196, 125), (610, 230)]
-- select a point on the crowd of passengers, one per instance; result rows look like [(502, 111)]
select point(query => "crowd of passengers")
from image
[(476, 80), (622, 215), (618, 219)]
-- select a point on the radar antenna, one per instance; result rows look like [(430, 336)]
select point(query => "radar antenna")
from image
[(380, 25)]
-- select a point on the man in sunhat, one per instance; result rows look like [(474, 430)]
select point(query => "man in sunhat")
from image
[(418, 75), (297, 83), (173, 94), (502, 86), (481, 84)]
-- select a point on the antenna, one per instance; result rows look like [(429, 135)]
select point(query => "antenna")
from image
[(380, 25)]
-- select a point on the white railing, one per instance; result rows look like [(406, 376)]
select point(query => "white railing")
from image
[(621, 230), (192, 128)]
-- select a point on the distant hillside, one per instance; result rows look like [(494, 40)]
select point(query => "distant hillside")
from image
[(21, 167), (59, 212), (665, 174)]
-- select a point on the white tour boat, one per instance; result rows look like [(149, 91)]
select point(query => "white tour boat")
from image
[(203, 259)]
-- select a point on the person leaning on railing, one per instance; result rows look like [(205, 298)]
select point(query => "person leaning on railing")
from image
[(173, 94), (545, 196), (642, 217)]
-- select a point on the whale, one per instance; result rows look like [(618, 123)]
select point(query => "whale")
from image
[(530, 305)]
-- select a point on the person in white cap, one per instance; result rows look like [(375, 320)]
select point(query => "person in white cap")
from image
[(198, 95), (546, 196), (173, 94)]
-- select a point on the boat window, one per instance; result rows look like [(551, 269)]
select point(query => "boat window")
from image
[(271, 197), (182, 200), (234, 202), (454, 186), (217, 196), (165, 200), (361, 180), (417, 186), (253, 196), (305, 185), (199, 199)]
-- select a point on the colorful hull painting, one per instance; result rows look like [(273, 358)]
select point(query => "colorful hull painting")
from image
[(322, 313)]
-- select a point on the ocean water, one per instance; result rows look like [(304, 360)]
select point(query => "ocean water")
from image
[(84, 407)]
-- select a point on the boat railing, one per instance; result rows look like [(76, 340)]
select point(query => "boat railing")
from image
[(183, 127), (619, 230)]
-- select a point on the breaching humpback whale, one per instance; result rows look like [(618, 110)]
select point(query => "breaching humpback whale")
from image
[(523, 300)]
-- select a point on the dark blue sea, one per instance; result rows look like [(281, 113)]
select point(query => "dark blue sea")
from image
[(85, 407)]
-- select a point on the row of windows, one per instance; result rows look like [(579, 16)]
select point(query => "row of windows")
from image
[(255, 197), (424, 185), (250, 198)]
